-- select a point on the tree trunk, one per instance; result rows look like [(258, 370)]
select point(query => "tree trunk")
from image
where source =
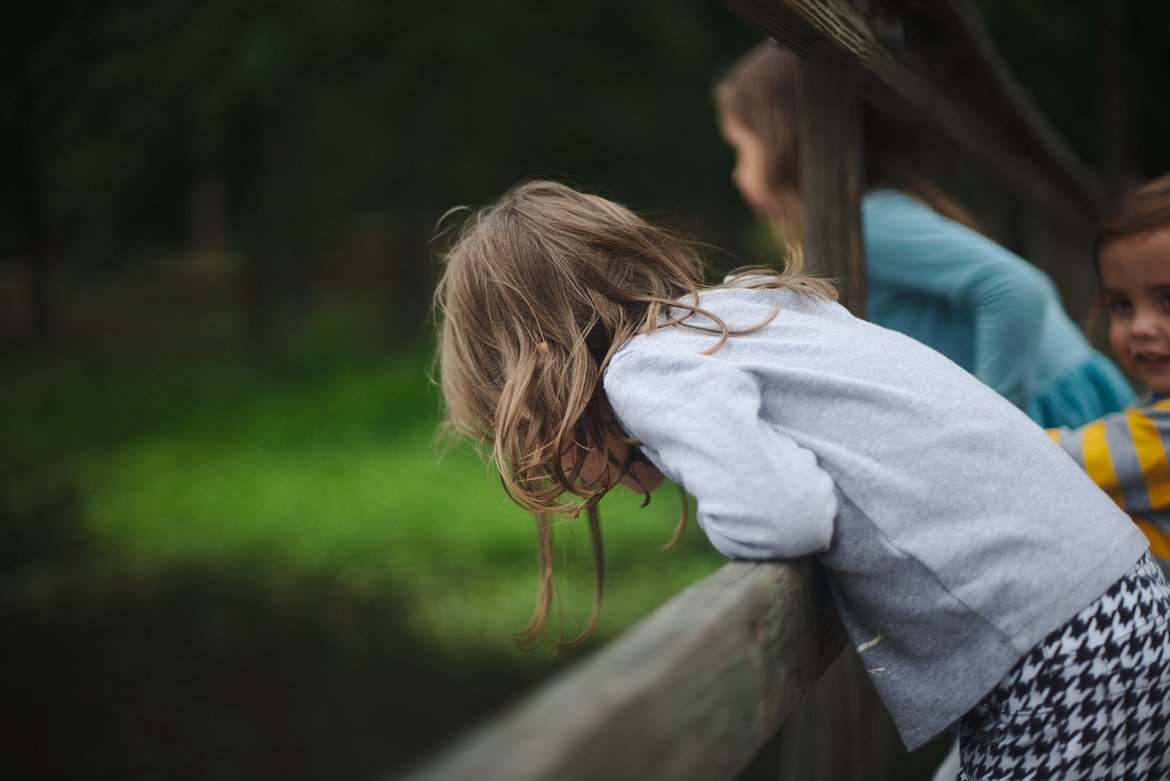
[(275, 278)]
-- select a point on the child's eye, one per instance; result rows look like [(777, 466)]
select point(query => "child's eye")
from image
[(1164, 301), (1118, 304)]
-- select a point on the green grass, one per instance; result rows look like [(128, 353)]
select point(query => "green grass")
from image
[(260, 564), (315, 461)]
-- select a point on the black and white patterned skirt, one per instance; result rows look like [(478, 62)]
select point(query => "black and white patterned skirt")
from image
[(1091, 701)]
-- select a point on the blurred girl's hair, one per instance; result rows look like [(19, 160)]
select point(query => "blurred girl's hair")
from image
[(537, 293), (1145, 209), (760, 91)]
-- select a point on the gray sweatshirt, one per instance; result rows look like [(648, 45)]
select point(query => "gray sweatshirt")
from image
[(955, 532)]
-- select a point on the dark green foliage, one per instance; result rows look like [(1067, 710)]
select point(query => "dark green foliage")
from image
[(256, 565), (312, 110), (1053, 47)]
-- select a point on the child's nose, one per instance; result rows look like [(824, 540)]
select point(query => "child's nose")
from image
[(1145, 322)]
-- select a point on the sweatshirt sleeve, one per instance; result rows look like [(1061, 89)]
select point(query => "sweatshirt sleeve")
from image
[(1125, 454), (759, 495)]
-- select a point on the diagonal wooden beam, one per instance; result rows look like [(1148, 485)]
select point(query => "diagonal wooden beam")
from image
[(840, 39)]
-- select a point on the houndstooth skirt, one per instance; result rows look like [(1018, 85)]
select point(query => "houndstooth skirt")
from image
[(1091, 701)]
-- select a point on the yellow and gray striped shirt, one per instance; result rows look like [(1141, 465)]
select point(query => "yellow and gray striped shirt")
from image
[(1126, 455)]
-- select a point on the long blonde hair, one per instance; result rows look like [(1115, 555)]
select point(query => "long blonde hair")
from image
[(537, 293)]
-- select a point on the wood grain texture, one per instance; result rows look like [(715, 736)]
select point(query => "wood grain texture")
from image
[(831, 182), (839, 38), (691, 692)]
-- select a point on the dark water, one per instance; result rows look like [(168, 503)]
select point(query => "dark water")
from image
[(118, 673)]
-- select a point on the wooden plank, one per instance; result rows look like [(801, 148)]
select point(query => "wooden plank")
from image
[(831, 182), (838, 38), (691, 692)]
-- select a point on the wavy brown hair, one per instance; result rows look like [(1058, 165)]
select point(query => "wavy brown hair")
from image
[(537, 293), (1145, 209), (761, 92)]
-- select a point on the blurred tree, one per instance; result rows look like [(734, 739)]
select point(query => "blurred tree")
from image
[(271, 122), (27, 230), (265, 125)]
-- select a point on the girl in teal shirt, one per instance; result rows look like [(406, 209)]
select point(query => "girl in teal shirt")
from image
[(930, 275)]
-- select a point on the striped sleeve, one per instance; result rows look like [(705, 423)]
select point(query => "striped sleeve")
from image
[(1126, 455)]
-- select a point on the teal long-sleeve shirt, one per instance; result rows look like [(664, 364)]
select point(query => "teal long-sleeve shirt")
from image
[(986, 309)]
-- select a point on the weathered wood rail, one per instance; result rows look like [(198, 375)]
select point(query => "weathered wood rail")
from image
[(928, 65), (692, 692), (700, 689)]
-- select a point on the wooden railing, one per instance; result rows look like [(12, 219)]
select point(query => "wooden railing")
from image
[(692, 692), (700, 689), (933, 66)]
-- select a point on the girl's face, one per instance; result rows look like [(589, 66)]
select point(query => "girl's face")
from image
[(1135, 286), (750, 172), (642, 477)]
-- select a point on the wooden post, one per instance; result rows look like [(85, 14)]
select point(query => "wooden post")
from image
[(831, 182), (841, 730), (993, 122)]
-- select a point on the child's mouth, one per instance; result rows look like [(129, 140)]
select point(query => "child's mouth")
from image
[(1153, 361)]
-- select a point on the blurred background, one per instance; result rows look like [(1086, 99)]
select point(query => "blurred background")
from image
[(230, 546)]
